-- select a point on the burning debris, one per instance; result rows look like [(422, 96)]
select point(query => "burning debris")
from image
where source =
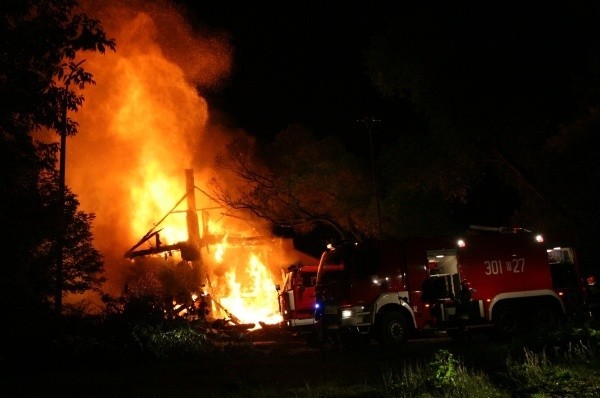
[(194, 301)]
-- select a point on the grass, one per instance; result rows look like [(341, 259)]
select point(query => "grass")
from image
[(177, 359), (575, 374), (563, 363)]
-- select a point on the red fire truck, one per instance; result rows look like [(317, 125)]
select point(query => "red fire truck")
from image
[(391, 290)]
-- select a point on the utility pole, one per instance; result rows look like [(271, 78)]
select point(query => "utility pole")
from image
[(369, 121), (62, 223)]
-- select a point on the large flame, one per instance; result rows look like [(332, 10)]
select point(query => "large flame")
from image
[(141, 126)]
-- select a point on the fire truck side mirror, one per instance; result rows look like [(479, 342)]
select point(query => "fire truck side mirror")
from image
[(277, 287)]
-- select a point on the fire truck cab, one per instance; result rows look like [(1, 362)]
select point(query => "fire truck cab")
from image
[(373, 290)]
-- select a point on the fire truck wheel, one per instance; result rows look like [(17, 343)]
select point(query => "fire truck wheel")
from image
[(507, 320), (392, 329)]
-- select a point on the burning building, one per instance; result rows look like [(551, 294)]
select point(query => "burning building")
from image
[(142, 125)]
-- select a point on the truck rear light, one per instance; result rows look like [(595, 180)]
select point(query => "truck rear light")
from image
[(460, 243)]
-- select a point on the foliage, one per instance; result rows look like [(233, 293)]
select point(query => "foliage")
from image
[(493, 108), (444, 369), (82, 263), (171, 341), (413, 205), (538, 376), (443, 376), (144, 308), (298, 182), (153, 283), (165, 352), (579, 341), (497, 105), (40, 41)]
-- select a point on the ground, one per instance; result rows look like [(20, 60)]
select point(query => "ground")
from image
[(281, 362)]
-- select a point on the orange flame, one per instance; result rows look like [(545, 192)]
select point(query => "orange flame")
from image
[(141, 126)]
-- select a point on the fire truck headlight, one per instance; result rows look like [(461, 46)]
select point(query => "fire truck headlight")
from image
[(352, 311)]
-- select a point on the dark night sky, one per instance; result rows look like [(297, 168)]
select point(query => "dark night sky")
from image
[(295, 62), (302, 62)]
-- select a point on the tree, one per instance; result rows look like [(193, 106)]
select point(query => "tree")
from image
[(415, 200), (493, 80), (39, 43), (316, 187), (83, 265), (509, 90), (298, 182)]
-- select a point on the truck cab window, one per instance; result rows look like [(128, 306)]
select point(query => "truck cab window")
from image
[(560, 255)]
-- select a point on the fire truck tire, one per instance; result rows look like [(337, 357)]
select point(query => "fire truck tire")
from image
[(507, 320), (392, 331)]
